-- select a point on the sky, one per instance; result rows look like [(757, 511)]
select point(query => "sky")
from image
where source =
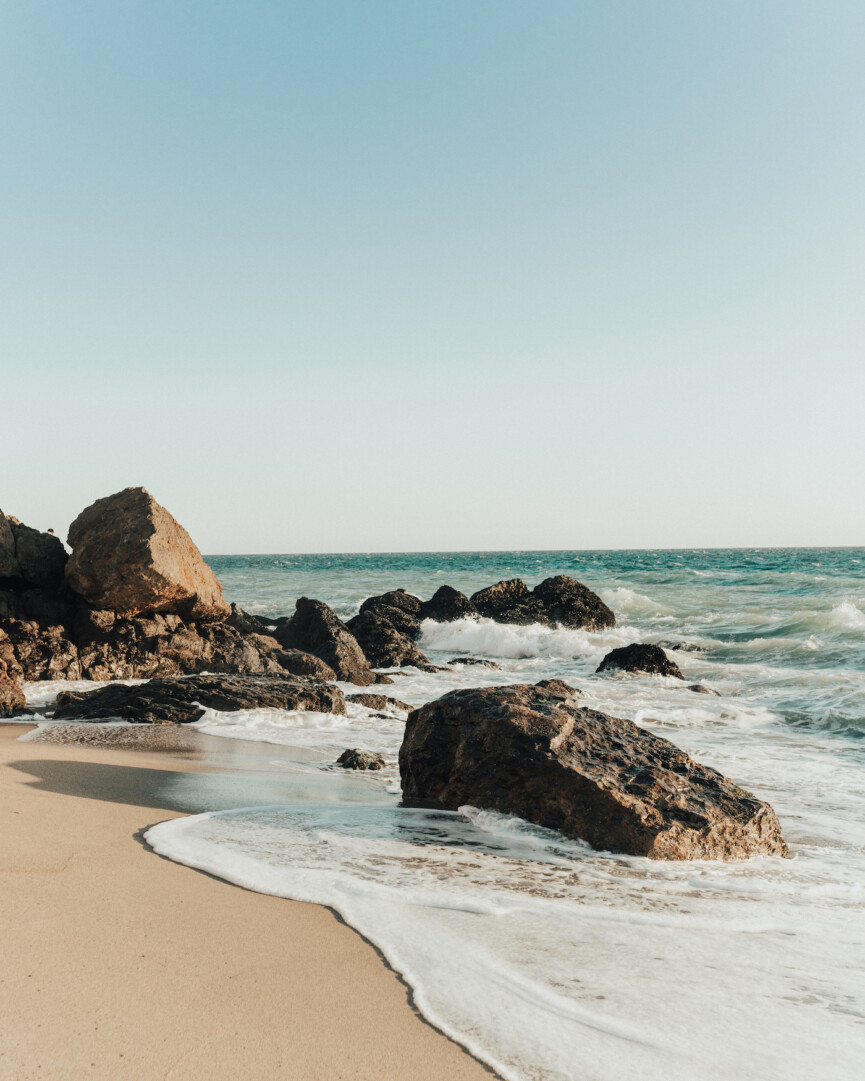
[(452, 275)]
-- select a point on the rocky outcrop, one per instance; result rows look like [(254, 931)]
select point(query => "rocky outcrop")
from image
[(12, 698), (568, 603), (377, 701), (39, 651), (399, 607), (29, 559), (446, 606), (533, 751), (509, 602), (556, 602), (640, 657), (305, 664), (315, 628), (180, 701), (131, 557), (382, 643), (355, 758)]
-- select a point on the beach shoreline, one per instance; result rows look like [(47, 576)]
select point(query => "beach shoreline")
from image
[(120, 964)]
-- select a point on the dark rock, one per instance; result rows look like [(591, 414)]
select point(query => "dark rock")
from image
[(41, 556), (447, 605), (10, 604), (179, 701), (305, 664), (403, 622), (383, 645), (130, 556), (510, 602), (698, 688), (315, 628), (640, 657), (247, 623), (377, 701), (9, 569), (358, 759), (47, 606), (568, 603), (475, 660), (533, 751)]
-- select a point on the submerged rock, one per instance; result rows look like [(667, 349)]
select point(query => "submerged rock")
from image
[(180, 701), (355, 758), (475, 661), (447, 605), (315, 628), (698, 688), (131, 557), (640, 657), (533, 751)]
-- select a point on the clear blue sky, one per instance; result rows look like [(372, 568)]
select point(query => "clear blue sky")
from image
[(332, 276)]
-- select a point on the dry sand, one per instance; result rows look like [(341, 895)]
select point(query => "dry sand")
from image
[(117, 964)]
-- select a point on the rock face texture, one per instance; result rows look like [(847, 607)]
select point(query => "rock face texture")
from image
[(12, 698), (382, 643), (533, 751), (28, 558), (179, 701), (555, 602), (315, 628), (398, 607), (447, 605), (639, 657), (131, 557)]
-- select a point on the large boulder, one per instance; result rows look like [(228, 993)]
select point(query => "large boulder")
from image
[(510, 602), (130, 556), (399, 607), (568, 603), (640, 657), (447, 605), (384, 646), (9, 569), (315, 628), (533, 751), (180, 701)]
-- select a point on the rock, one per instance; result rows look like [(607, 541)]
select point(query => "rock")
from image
[(12, 698), (47, 606), (247, 623), (568, 603), (28, 557), (315, 628), (358, 759), (305, 664), (640, 657), (401, 621), (447, 605), (475, 660), (698, 688), (510, 602), (179, 701), (377, 701), (399, 607), (383, 645), (130, 556), (533, 751), (9, 569), (41, 652)]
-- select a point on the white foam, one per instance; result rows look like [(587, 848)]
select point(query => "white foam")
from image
[(615, 967), (485, 638)]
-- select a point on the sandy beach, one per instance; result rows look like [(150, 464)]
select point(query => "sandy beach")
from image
[(119, 964)]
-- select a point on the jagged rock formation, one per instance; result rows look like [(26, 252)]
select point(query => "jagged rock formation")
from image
[(315, 628), (533, 751)]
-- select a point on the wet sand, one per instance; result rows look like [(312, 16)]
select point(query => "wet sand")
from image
[(118, 964)]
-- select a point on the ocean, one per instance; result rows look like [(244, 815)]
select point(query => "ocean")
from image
[(548, 960)]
